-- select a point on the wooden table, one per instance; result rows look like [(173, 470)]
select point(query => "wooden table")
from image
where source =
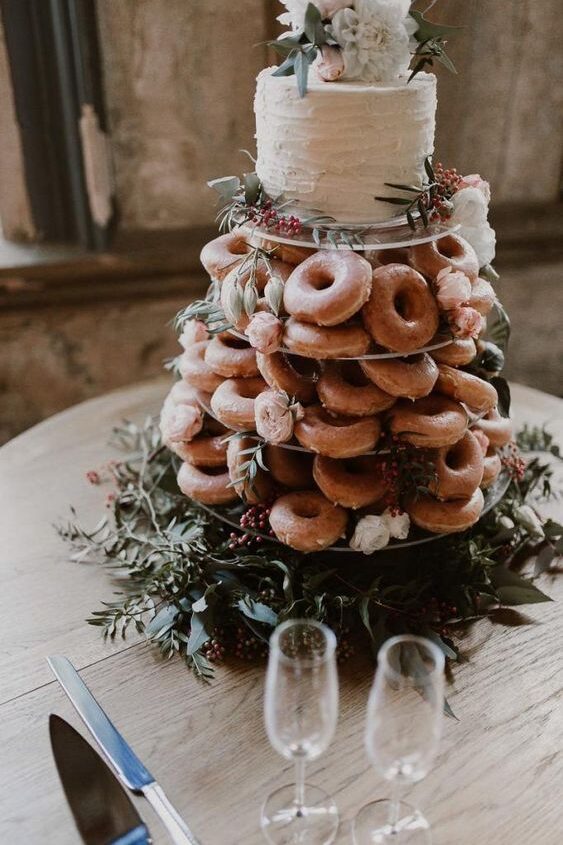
[(499, 775)]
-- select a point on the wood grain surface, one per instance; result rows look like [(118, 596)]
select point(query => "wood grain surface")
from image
[(498, 777)]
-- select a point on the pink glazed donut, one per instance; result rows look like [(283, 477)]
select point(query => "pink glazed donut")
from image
[(328, 288)]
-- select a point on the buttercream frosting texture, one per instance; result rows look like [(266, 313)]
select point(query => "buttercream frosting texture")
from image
[(332, 151)]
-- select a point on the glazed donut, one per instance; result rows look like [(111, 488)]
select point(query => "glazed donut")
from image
[(448, 251), (194, 369), (306, 521), (497, 428), (401, 313), (295, 375), (322, 342), (205, 450), (351, 483), (482, 296), (457, 354), (492, 466), (380, 257), (459, 469), (207, 485), (181, 393), (412, 377), (343, 388), (260, 489), (233, 402), (433, 421), (464, 387), (221, 254), (231, 357), (239, 278), (328, 288), (288, 253), (289, 468), (336, 437), (445, 517)]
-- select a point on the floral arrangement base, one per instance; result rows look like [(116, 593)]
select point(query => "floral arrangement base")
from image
[(199, 590)]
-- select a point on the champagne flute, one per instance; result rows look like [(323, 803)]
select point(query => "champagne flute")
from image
[(403, 730), (301, 710)]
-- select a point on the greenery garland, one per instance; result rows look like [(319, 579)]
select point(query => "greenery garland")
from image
[(198, 590)]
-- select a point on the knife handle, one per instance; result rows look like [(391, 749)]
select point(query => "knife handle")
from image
[(169, 816)]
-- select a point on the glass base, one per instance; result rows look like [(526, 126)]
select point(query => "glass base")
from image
[(371, 826), (283, 823)]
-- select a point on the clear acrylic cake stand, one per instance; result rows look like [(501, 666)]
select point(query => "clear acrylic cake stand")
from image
[(391, 234)]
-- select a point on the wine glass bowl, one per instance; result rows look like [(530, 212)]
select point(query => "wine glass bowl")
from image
[(403, 730), (301, 711)]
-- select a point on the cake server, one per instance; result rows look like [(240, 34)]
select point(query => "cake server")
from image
[(102, 810), (127, 766)]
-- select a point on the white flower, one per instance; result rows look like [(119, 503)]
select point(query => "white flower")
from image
[(295, 15), (398, 525), (528, 519), (470, 211), (371, 534), (374, 37)]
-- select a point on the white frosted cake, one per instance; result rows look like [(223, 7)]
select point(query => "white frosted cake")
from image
[(333, 151)]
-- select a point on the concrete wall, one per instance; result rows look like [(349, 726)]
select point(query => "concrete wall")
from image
[(179, 80)]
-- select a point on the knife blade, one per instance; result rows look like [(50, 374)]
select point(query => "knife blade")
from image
[(127, 766), (102, 810)]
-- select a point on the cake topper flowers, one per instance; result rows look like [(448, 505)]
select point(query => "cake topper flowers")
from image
[(369, 40)]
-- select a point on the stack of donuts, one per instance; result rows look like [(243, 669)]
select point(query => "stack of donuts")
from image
[(367, 355)]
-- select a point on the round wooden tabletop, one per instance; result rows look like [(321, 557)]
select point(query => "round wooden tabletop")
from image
[(500, 769)]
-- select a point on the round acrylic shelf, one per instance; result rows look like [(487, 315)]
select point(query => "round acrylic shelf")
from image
[(493, 495), (395, 233), (375, 356)]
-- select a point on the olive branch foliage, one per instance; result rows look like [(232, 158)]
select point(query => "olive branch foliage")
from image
[(177, 580)]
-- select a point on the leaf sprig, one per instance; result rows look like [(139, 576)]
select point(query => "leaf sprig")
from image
[(431, 38), (179, 581)]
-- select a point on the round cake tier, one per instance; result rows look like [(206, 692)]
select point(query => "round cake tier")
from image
[(333, 151)]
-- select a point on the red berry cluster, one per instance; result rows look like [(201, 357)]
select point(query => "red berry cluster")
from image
[(447, 182), (265, 215), (214, 649), (93, 476), (255, 518), (514, 462), (247, 646), (344, 649), (436, 613)]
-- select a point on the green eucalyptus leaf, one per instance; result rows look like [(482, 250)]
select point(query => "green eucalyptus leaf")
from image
[(427, 31), (226, 187), (200, 631), (258, 611), (503, 389), (302, 72), (252, 188)]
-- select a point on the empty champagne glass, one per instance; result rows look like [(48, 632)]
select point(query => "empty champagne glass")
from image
[(301, 709), (403, 730)]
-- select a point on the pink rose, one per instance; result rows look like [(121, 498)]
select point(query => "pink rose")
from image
[(452, 288), (179, 423), (275, 416), (475, 181), (193, 332), (466, 322), (330, 67), (328, 8), (265, 332), (481, 439), (183, 393)]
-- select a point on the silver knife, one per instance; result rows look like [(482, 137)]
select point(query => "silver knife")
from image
[(102, 810), (119, 754)]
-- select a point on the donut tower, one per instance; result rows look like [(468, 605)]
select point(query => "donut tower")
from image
[(328, 386)]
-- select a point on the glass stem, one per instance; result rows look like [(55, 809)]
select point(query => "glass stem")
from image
[(394, 804), (300, 783)]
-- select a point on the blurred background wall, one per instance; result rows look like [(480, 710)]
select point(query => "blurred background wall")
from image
[(178, 81)]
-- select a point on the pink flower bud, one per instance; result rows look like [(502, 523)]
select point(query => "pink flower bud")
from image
[(466, 322), (331, 64), (193, 332), (481, 439), (180, 423), (452, 288), (275, 417), (476, 181), (265, 332)]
